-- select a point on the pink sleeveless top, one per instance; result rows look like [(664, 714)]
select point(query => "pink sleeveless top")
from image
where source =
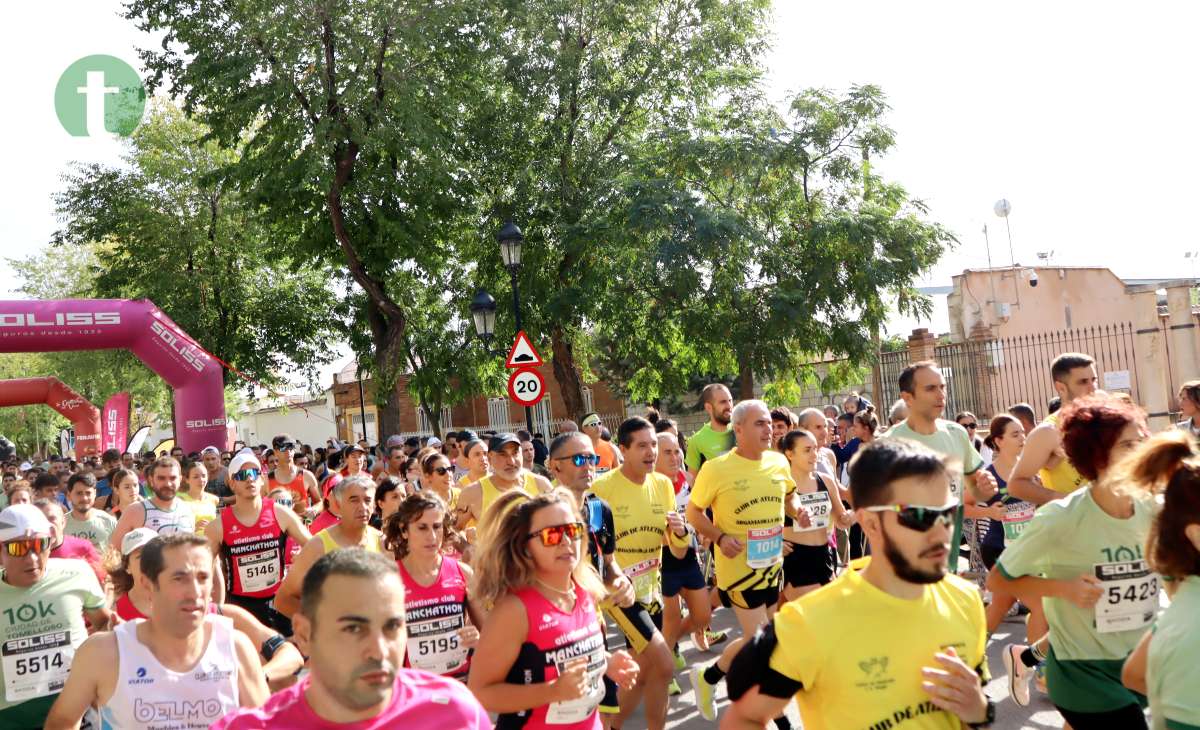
[(434, 614), (556, 638)]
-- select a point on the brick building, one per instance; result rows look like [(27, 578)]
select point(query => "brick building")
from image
[(479, 413)]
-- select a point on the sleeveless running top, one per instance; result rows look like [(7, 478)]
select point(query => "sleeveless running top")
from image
[(556, 638), (434, 614), (252, 557), (180, 518), (297, 488), (1062, 478), (148, 694), (491, 492), (372, 540)]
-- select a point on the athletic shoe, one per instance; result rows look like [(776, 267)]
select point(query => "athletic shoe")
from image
[(700, 641), (706, 700), (1018, 674), (673, 689), (680, 664), (1039, 677), (716, 637)]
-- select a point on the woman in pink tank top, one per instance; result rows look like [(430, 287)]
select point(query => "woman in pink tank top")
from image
[(440, 617), (541, 656)]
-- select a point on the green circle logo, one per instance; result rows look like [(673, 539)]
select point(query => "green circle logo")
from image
[(99, 95)]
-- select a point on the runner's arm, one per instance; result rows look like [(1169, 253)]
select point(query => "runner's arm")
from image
[(292, 525), (1039, 447), (703, 525), (754, 710), (475, 610), (252, 683), (280, 670), (95, 656), (314, 490), (130, 516), (287, 598), (499, 644), (543, 484), (470, 494), (1133, 674), (101, 619)]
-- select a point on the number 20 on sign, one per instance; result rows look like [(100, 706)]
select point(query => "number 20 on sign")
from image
[(526, 387)]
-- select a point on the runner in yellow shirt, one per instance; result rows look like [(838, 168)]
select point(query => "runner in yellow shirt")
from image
[(504, 457), (644, 517), (746, 490), (837, 650)]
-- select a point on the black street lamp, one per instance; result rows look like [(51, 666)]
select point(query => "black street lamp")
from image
[(510, 240), (483, 311)]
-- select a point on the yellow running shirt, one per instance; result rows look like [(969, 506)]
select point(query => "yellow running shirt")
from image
[(1062, 478), (372, 540), (858, 671), (490, 492), (746, 498), (640, 520)]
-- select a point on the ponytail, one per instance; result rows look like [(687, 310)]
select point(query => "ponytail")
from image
[(1158, 460), (997, 427), (1170, 463)]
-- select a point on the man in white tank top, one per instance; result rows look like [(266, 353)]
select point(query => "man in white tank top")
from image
[(182, 669), (163, 512)]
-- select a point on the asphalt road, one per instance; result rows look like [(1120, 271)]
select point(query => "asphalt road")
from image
[(1040, 713)]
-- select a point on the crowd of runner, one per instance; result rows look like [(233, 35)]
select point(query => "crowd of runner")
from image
[(478, 580)]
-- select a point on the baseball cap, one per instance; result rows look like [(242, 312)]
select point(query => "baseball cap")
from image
[(592, 420), (210, 450), (242, 459), (26, 466), (396, 440), (135, 539), (500, 440), (23, 520), (350, 448), (433, 441)]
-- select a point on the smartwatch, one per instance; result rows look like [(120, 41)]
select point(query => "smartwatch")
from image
[(989, 718)]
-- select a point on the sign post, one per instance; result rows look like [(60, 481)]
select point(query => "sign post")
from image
[(526, 386)]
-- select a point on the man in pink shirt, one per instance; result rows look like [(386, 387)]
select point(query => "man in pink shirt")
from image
[(351, 626), (63, 545)]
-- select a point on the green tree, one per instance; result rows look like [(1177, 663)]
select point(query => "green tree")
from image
[(173, 229), (353, 115), (772, 244), (585, 89)]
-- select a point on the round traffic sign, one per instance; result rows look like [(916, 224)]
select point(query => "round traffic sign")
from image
[(526, 387)]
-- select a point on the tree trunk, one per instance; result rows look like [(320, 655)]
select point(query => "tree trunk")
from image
[(745, 379), (567, 374)]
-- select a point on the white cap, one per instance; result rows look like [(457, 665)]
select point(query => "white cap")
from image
[(210, 450), (433, 441), (26, 466), (241, 460), (21, 521), (134, 539)]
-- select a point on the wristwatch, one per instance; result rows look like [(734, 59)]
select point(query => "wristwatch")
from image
[(989, 718)]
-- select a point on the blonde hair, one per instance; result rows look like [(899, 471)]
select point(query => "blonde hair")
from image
[(503, 562)]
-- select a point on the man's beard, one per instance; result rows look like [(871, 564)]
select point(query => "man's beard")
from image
[(722, 418), (907, 571)]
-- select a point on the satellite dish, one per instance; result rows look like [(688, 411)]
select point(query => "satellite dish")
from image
[(1002, 207)]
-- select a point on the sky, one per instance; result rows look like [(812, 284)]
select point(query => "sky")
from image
[(1081, 114)]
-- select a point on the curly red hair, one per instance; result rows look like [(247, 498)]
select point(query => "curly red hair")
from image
[(1091, 427)]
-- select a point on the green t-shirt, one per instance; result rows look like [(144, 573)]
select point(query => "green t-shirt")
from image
[(1070, 537), (705, 445), (40, 629), (1172, 669), (949, 439), (95, 529)]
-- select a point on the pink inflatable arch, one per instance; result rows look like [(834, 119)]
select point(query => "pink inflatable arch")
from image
[(84, 416), (142, 328)]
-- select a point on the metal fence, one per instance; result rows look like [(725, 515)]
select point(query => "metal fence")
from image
[(987, 376)]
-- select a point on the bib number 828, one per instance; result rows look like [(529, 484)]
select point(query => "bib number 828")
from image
[(35, 664)]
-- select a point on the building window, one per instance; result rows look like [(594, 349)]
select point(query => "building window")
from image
[(356, 428), (497, 413), (587, 400)]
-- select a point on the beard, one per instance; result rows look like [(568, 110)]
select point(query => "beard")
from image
[(905, 569), (722, 418), (166, 494)]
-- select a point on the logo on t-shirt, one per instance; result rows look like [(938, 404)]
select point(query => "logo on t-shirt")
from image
[(874, 674), (141, 677)]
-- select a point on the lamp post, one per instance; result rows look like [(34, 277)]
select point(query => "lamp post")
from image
[(483, 306)]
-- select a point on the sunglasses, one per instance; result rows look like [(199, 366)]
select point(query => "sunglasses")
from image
[(285, 446), (591, 424), (441, 470), (552, 536), (921, 519), (21, 548), (581, 459), (970, 425), (246, 475)]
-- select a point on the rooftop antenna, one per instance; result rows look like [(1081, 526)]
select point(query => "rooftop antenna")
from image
[(1002, 208)]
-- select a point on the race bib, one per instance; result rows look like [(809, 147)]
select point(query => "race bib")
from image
[(819, 508), (435, 646), (647, 583), (1130, 598), (36, 666), (578, 710), (764, 548), (259, 571), (1016, 519)]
